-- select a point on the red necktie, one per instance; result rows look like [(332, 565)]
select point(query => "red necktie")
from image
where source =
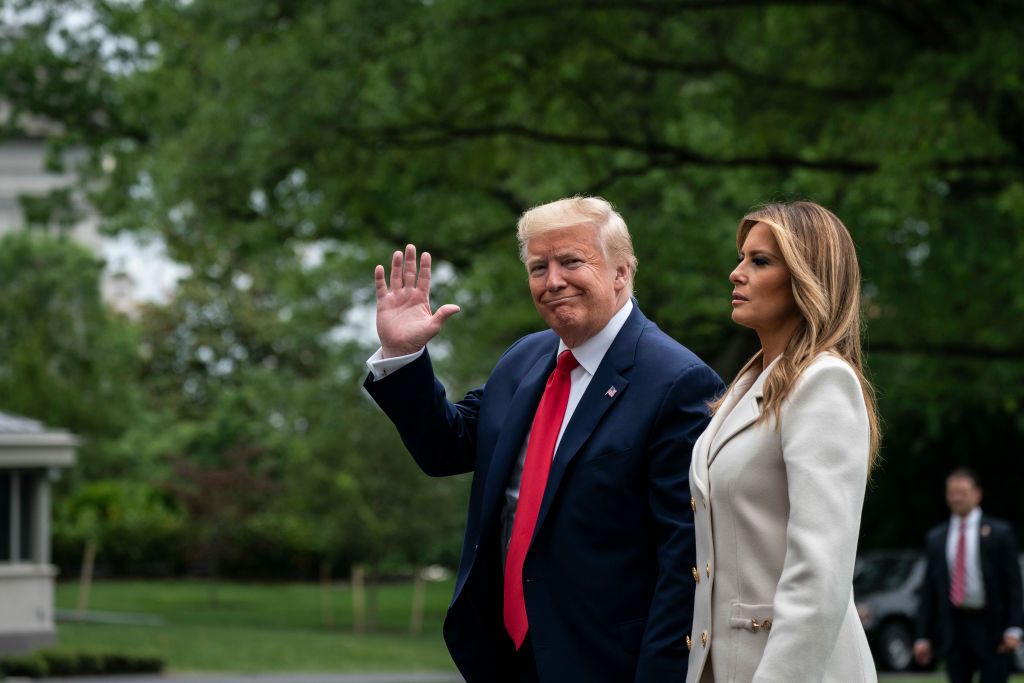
[(958, 586), (540, 449)]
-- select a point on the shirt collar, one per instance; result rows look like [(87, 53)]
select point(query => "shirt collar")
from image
[(590, 353), (973, 519)]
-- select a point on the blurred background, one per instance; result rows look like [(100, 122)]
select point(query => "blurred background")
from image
[(193, 194)]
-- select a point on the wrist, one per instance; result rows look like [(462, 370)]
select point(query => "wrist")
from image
[(397, 351)]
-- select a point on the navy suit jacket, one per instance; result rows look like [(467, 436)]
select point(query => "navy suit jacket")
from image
[(1000, 573), (608, 576)]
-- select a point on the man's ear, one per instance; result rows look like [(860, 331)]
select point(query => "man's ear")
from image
[(621, 276)]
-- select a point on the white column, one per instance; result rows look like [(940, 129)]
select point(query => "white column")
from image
[(15, 516), (41, 523)]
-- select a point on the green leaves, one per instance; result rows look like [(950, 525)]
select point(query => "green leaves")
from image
[(251, 135)]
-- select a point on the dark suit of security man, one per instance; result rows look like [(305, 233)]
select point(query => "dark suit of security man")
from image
[(970, 611), (607, 577)]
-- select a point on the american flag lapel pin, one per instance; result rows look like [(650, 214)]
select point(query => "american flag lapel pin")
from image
[(611, 392)]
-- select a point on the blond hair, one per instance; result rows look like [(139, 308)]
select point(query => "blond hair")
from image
[(613, 235), (825, 277)]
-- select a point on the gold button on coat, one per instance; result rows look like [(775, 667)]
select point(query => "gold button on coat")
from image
[(689, 643), (696, 575), (707, 570), (693, 504), (704, 639)]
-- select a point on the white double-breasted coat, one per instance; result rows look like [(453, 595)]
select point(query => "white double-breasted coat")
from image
[(777, 512)]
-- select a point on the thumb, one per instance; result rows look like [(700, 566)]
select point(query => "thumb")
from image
[(442, 314)]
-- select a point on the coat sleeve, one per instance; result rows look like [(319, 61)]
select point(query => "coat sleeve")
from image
[(440, 435), (1012, 580), (825, 442), (681, 419), (927, 605)]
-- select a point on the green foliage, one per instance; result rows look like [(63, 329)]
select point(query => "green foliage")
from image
[(282, 149), (135, 525), (64, 359), (54, 662)]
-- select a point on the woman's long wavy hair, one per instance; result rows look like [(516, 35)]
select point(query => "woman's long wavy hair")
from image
[(825, 277)]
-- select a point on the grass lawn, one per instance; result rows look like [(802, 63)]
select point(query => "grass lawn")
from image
[(259, 627), (273, 627)]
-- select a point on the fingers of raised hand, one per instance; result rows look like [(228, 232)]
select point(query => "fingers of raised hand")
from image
[(409, 272), (396, 271), (444, 312), (423, 282), (379, 283)]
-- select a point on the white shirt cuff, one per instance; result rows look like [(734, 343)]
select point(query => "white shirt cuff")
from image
[(382, 367), (1014, 631)]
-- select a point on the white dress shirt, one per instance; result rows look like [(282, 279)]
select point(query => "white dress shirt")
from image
[(589, 354), (974, 590)]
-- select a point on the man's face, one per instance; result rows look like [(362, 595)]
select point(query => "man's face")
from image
[(575, 289), (962, 495)]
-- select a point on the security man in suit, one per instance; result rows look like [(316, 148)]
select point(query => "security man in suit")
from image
[(970, 606), (579, 547)]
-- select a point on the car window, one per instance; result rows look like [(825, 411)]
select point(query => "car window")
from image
[(875, 574)]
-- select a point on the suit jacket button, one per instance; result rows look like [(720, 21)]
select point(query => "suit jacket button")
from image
[(689, 643), (696, 575), (693, 504), (704, 639)]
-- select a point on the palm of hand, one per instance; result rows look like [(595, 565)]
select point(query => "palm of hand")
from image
[(404, 321)]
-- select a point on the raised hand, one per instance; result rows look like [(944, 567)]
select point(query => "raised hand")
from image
[(404, 321)]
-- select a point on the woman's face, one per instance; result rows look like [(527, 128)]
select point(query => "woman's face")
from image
[(762, 296)]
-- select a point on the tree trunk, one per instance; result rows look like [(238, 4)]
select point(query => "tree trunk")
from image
[(85, 580), (359, 598), (372, 601), (325, 595), (419, 594)]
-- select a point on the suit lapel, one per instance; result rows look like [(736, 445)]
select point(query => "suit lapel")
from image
[(744, 413), (944, 574), (702, 449), (518, 420), (985, 555), (593, 405)]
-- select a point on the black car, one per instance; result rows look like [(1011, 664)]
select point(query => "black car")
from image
[(885, 585)]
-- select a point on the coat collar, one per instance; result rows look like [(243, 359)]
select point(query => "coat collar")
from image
[(741, 408)]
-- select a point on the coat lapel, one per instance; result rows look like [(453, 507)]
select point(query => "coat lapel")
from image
[(517, 425), (744, 413), (702, 449), (593, 405)]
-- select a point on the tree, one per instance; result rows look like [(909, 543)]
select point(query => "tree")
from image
[(254, 134), (64, 358)]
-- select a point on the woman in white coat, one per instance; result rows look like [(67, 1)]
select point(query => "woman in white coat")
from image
[(778, 477)]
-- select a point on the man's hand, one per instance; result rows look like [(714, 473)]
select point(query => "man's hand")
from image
[(923, 652), (1009, 644), (404, 321)]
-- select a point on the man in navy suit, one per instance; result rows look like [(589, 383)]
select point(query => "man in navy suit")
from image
[(971, 597), (578, 559)]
